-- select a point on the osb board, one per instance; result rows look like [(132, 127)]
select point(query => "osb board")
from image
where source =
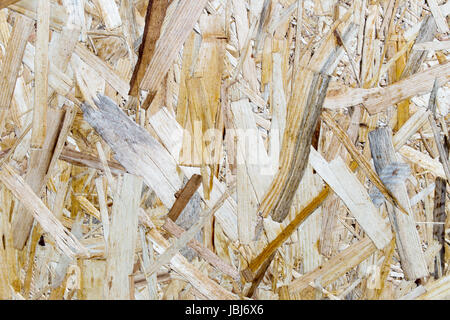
[(224, 149)]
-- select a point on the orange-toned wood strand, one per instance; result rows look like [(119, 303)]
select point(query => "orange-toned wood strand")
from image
[(183, 196), (154, 18), (256, 263), (6, 3)]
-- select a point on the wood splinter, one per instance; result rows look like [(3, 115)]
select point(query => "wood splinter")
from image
[(249, 273), (407, 239), (183, 196)]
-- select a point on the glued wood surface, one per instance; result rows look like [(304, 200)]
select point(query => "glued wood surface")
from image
[(224, 149)]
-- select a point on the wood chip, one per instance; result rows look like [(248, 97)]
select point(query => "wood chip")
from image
[(224, 149)]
